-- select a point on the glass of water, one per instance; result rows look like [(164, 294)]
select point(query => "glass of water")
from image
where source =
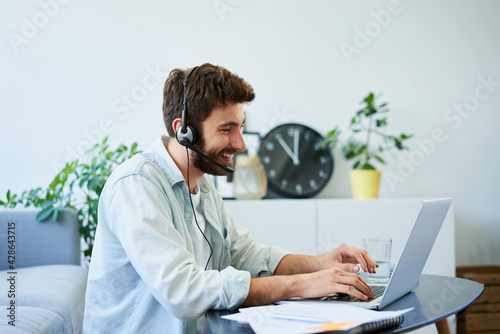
[(379, 249)]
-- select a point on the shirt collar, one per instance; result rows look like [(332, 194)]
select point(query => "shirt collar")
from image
[(168, 166)]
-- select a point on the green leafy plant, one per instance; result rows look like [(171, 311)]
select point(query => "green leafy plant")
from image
[(77, 186), (367, 123)]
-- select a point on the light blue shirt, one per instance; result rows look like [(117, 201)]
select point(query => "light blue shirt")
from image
[(143, 277)]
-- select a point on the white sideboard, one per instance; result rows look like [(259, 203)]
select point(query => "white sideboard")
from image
[(314, 226)]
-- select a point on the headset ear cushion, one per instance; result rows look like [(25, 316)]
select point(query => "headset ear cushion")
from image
[(190, 136)]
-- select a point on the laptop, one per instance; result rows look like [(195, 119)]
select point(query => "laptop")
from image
[(412, 259)]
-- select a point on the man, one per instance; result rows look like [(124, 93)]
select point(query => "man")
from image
[(166, 250)]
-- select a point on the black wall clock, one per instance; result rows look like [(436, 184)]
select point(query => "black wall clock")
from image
[(297, 164)]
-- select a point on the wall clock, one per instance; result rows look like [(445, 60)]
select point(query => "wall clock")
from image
[(297, 164)]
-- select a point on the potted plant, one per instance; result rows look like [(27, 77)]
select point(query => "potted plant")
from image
[(366, 145), (78, 187)]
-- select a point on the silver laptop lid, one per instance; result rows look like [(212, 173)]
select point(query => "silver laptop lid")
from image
[(416, 250)]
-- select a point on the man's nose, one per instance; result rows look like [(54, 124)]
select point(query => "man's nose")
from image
[(238, 141)]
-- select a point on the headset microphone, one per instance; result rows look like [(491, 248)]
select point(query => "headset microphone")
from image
[(201, 154)]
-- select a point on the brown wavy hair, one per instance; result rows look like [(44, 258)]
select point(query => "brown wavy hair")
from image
[(208, 87)]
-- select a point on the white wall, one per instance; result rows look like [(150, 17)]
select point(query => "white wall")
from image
[(72, 71)]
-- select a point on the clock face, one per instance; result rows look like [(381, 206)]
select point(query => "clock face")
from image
[(297, 164)]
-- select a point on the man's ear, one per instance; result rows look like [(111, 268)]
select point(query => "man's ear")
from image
[(176, 124)]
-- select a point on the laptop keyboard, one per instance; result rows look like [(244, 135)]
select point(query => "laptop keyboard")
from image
[(378, 290)]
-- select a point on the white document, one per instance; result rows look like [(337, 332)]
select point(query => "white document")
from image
[(308, 317)]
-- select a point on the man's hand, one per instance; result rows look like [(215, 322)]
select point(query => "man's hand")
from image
[(270, 289), (346, 257), (314, 276), (333, 280)]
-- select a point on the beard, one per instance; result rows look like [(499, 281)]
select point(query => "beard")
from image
[(206, 166)]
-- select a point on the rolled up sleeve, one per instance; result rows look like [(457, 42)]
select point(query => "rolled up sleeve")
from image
[(234, 288)]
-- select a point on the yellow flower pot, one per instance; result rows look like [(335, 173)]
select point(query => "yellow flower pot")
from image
[(365, 183)]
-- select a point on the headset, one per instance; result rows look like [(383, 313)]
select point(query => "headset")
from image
[(186, 134)]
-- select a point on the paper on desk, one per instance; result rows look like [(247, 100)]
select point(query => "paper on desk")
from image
[(246, 315), (262, 322), (308, 317), (335, 313)]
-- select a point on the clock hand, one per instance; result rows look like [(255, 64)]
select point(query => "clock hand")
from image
[(296, 146), (287, 149)]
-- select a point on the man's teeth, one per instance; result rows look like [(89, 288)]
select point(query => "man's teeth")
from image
[(228, 155)]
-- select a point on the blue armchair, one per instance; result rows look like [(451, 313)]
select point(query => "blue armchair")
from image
[(42, 284)]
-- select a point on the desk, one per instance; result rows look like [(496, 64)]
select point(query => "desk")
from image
[(434, 299)]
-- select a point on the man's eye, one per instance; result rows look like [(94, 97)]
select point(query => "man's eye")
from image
[(226, 130)]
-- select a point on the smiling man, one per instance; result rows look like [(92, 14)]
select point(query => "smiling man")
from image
[(166, 250)]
